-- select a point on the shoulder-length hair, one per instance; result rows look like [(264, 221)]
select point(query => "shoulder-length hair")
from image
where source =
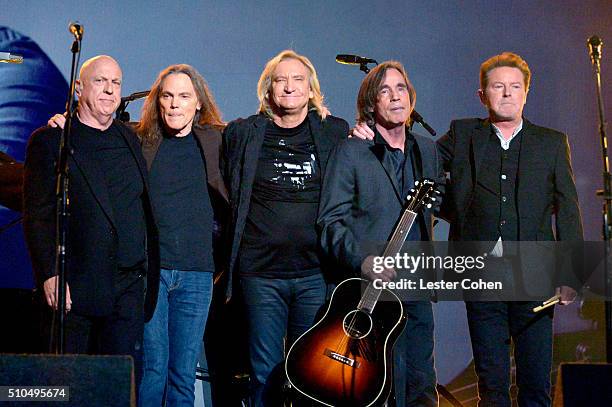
[(368, 91), (264, 86), (151, 124)]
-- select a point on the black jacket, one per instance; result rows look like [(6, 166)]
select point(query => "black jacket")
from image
[(242, 142), (545, 188), (361, 201), (92, 264)]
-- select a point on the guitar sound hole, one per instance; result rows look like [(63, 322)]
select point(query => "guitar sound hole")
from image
[(357, 324)]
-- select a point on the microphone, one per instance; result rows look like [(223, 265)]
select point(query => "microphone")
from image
[(419, 119), (9, 58), (348, 59), (595, 43), (77, 30), (135, 96)]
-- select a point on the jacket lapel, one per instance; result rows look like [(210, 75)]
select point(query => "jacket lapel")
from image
[(149, 151), (86, 164), (415, 153), (382, 155), (211, 149), (478, 148), (132, 142), (529, 154), (323, 143), (250, 156)]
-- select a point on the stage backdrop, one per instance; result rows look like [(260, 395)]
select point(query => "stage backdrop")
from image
[(441, 43)]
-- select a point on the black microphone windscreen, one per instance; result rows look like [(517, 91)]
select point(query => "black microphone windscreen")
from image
[(347, 59)]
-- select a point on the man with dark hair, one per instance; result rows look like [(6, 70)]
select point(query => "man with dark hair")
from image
[(508, 178), (181, 140), (362, 199), (112, 237), (275, 163)]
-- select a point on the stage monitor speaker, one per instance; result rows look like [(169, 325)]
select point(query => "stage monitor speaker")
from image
[(583, 384), (91, 380)]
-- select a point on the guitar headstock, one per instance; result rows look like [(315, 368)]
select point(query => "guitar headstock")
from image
[(423, 194)]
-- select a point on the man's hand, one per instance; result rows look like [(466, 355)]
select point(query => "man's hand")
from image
[(50, 289), (362, 131), (367, 271), (568, 294), (58, 120)]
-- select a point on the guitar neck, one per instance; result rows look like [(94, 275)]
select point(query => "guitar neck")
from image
[(398, 238)]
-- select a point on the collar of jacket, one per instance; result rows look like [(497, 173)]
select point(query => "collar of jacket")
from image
[(381, 151), (209, 140)]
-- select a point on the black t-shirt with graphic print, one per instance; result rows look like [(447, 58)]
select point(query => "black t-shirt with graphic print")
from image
[(280, 239)]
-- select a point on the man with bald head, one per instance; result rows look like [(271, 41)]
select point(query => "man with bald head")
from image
[(112, 240)]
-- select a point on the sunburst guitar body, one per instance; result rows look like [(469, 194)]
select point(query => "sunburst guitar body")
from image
[(345, 359)]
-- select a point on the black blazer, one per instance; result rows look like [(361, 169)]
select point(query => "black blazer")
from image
[(242, 141), (92, 263), (545, 187), (361, 201)]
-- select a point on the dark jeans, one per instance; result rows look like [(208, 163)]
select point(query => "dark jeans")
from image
[(173, 339), (275, 309), (414, 376), (491, 325), (117, 334)]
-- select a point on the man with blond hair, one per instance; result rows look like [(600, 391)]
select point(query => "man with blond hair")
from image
[(275, 163)]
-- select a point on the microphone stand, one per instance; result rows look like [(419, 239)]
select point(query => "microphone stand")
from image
[(62, 195), (364, 67), (607, 202), (121, 113)]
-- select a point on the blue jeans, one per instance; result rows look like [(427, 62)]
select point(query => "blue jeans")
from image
[(276, 308), (173, 339), (414, 376), (491, 325)]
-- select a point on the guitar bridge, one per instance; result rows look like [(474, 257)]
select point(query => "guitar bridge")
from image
[(341, 358)]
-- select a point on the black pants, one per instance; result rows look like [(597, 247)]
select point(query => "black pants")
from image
[(119, 333), (492, 324), (413, 358)]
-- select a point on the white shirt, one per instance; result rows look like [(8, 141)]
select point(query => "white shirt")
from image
[(505, 144)]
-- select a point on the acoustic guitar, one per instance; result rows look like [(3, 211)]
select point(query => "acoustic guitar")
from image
[(345, 358)]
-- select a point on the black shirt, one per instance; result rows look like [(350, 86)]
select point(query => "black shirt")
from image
[(183, 208), (280, 239), (125, 187), (404, 164)]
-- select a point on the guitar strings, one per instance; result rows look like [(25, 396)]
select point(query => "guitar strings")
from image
[(405, 224), (395, 244)]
